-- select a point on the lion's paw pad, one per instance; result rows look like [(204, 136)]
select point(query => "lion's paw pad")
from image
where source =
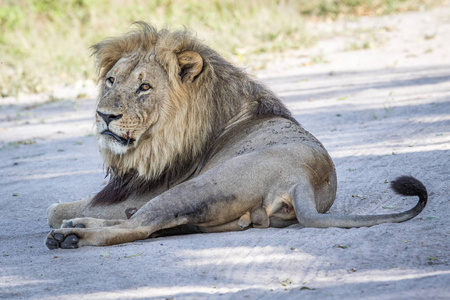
[(58, 237), (70, 242), (58, 241), (51, 244)]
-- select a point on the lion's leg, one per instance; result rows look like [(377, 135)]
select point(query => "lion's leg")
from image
[(100, 237), (59, 212), (245, 221), (231, 226), (214, 198), (234, 225), (70, 238), (89, 223)]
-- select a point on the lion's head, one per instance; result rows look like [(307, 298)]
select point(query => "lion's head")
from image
[(164, 98)]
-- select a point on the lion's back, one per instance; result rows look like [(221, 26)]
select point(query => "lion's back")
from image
[(264, 135)]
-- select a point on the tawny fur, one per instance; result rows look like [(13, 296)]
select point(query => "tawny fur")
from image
[(205, 149)]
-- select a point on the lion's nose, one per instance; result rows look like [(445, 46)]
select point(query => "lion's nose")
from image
[(109, 117)]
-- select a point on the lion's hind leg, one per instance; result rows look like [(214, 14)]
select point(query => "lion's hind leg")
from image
[(245, 221), (257, 216)]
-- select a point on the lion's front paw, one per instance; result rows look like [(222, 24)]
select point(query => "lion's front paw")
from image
[(58, 240)]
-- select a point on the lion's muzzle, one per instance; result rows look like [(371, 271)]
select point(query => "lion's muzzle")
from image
[(109, 117), (121, 140)]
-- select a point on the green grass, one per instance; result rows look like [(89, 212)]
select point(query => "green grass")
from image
[(44, 43)]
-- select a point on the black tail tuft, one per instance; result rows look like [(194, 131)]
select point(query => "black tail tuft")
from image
[(409, 186)]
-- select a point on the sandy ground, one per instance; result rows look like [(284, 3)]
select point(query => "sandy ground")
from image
[(381, 112)]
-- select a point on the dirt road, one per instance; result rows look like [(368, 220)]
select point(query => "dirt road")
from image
[(381, 112)]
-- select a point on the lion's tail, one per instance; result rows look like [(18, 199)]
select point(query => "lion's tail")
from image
[(410, 186), (403, 185)]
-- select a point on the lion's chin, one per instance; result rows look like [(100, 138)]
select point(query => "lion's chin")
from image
[(111, 144)]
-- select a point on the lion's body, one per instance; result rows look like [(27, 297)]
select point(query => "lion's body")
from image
[(193, 144)]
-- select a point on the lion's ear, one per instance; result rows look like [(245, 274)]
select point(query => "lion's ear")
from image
[(191, 64)]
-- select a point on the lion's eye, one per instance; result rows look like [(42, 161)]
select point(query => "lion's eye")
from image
[(145, 87), (110, 81)]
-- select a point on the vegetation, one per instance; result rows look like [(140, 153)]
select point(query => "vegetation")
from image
[(44, 43)]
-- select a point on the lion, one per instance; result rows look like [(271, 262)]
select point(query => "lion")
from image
[(193, 144)]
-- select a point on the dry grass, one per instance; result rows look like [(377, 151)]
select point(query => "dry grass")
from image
[(44, 43)]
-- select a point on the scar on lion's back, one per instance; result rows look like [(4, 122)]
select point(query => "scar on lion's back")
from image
[(272, 132), (284, 131)]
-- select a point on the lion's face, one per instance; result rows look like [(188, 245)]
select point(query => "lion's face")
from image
[(133, 93), (154, 113)]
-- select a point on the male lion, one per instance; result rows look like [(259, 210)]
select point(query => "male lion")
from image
[(192, 144)]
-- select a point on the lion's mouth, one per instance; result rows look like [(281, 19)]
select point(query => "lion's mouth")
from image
[(121, 140)]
